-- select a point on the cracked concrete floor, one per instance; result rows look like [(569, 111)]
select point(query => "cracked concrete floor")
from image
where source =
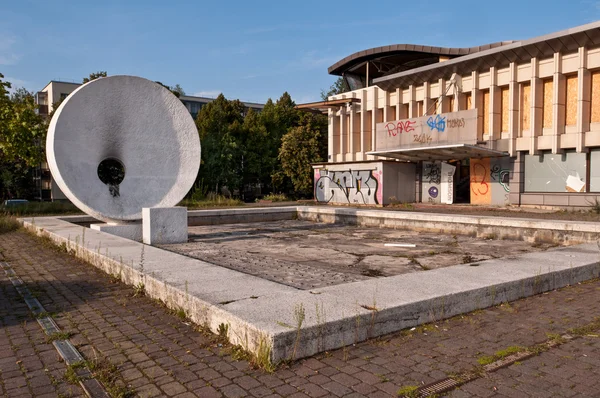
[(307, 255)]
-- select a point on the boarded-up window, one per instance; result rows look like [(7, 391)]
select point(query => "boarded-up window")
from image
[(595, 102), (525, 106), (486, 111), (402, 112), (450, 104), (504, 109), (419, 108), (548, 91), (468, 100), (571, 101)]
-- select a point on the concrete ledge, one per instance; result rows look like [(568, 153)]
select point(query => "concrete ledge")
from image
[(132, 231), (260, 313), (533, 230)]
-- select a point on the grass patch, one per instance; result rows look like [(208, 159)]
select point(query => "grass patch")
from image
[(8, 224), (408, 391), (276, 197), (39, 209), (211, 200), (58, 336), (103, 371), (487, 359)]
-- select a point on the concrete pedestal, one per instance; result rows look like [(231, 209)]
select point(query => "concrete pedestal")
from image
[(132, 231), (164, 225)]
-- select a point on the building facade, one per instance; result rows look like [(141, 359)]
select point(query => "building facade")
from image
[(56, 91), (510, 123)]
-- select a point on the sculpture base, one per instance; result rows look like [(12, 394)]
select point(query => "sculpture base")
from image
[(132, 231), (164, 225)]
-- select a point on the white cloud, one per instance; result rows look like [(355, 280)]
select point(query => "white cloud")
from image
[(209, 94), (7, 55), (312, 60)]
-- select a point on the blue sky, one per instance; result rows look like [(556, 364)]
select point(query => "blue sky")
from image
[(251, 50)]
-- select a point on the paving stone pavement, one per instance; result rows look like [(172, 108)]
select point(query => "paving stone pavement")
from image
[(158, 354)]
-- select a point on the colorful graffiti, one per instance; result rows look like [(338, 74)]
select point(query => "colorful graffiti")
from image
[(501, 175), (348, 186), (438, 123), (490, 179), (395, 128)]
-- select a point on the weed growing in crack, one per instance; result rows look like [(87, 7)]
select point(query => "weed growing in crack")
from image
[(321, 320), (299, 316)]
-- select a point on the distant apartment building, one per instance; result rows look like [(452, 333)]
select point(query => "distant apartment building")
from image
[(508, 123), (56, 91)]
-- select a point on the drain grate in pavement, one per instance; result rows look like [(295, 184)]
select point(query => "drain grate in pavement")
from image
[(65, 348), (448, 384)]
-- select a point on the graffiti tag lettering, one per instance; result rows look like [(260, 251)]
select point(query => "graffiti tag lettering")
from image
[(455, 123), (432, 173), (395, 128), (422, 138), (501, 175), (438, 123), (358, 186), (478, 184)]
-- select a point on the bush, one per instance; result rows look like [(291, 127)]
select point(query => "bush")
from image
[(8, 224), (276, 197)]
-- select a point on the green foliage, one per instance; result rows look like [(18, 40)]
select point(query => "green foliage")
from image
[(487, 359), (276, 197), (8, 224), (340, 86), (177, 90), (272, 150), (94, 76), (22, 135), (408, 391), (210, 200), (39, 209), (301, 146)]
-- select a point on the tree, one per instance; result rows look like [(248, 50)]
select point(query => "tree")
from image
[(94, 76), (300, 147), (338, 87), (22, 134), (177, 90), (221, 130)]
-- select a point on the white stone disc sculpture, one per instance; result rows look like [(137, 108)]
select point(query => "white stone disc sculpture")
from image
[(131, 121)]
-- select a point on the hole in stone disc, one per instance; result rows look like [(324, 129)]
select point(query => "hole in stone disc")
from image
[(111, 172)]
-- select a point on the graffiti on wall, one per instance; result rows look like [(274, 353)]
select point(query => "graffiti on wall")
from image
[(497, 173), (348, 186), (490, 179), (432, 172)]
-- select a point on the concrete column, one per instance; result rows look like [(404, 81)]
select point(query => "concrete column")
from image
[(495, 115), (386, 102), (343, 132), (363, 123), (517, 180), (584, 82), (443, 99), (330, 139), (537, 104), (427, 99), (513, 110), (336, 135), (477, 103), (351, 130), (412, 101), (374, 112), (558, 103), (398, 104)]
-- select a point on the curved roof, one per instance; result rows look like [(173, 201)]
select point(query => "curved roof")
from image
[(399, 54)]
